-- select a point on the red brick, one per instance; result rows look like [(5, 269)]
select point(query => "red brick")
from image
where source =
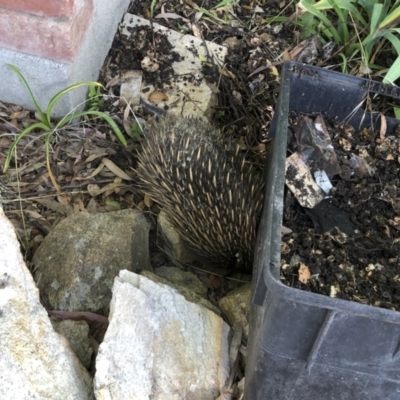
[(57, 39), (43, 8)]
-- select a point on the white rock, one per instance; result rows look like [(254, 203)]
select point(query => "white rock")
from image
[(35, 362), (187, 91), (159, 346)]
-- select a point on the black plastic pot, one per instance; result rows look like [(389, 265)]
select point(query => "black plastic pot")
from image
[(304, 345)]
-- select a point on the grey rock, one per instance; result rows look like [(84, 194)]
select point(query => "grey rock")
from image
[(76, 332), (236, 306), (183, 278), (76, 264)]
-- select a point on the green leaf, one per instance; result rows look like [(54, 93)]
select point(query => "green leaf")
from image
[(368, 6), (342, 5), (114, 204), (25, 83), (392, 19), (270, 20), (342, 23), (394, 40), (303, 5), (100, 114), (152, 5), (136, 131), (210, 14), (394, 72), (61, 93), (396, 112), (223, 3), (372, 37), (343, 64), (376, 18), (36, 125)]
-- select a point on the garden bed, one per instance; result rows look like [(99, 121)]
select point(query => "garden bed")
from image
[(348, 246)]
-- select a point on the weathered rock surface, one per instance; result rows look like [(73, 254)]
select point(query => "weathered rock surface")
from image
[(35, 362), (183, 278), (236, 306), (159, 346), (173, 241), (184, 96), (77, 262), (176, 248), (187, 293), (76, 332)]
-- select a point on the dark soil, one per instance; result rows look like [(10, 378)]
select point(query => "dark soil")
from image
[(363, 265)]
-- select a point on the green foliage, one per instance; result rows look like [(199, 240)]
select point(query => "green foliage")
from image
[(136, 130), (363, 29), (95, 98), (152, 6), (224, 3), (46, 124)]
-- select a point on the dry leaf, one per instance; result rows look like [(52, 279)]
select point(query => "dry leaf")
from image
[(15, 115), (148, 202), (92, 206), (157, 97), (225, 72), (382, 131), (55, 206), (92, 175), (172, 16), (93, 190), (196, 31), (197, 16), (115, 170), (304, 273), (286, 55)]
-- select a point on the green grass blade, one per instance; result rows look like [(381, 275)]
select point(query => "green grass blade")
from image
[(394, 40), (152, 6), (328, 24), (356, 13), (100, 114), (36, 125), (343, 64), (269, 20), (369, 42), (376, 18), (368, 6), (392, 19), (394, 72), (61, 93), (342, 5), (342, 22), (223, 3), (27, 87), (211, 15)]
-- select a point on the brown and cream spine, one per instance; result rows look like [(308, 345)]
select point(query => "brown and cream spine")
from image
[(208, 191)]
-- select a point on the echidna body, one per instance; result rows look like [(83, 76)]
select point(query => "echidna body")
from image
[(206, 189)]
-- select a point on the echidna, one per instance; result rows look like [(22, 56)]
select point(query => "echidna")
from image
[(209, 193)]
